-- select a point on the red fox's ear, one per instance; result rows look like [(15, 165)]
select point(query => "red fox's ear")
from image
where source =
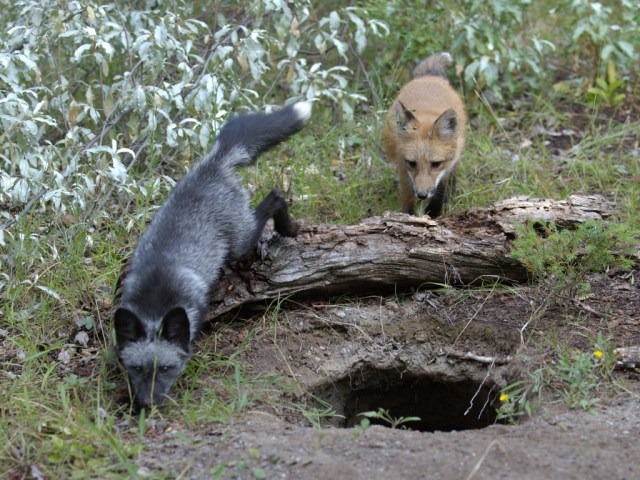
[(403, 116), (447, 126)]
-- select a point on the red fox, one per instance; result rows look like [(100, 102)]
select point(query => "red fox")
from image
[(423, 134)]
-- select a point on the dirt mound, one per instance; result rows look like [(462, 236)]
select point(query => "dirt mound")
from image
[(442, 357)]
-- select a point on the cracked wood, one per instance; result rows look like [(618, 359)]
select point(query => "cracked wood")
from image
[(395, 252)]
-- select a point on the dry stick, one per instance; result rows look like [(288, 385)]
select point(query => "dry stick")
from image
[(376, 99), (83, 81), (535, 316), (486, 103), (24, 211), (481, 358), (57, 71), (484, 456), (126, 37), (471, 320), (273, 84), (344, 324), (105, 130), (486, 377), (486, 401), (282, 355)]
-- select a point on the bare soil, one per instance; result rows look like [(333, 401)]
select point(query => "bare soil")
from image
[(440, 356)]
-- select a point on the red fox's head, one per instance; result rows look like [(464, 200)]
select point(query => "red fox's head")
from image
[(429, 146)]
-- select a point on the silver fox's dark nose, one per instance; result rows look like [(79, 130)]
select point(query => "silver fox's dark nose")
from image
[(143, 401), (422, 195)]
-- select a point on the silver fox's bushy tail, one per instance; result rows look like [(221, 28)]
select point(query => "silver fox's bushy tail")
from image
[(244, 137), (435, 65)]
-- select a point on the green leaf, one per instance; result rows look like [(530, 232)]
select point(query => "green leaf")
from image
[(618, 98), (80, 50), (626, 48), (86, 322), (602, 84), (259, 473), (607, 51)]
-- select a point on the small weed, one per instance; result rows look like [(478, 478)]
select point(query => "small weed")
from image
[(564, 258), (386, 417), (579, 379), (607, 90), (259, 473), (218, 471), (316, 415), (364, 424), (515, 398), (580, 376)]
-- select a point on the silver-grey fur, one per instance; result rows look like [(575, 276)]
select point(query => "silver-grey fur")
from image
[(206, 221)]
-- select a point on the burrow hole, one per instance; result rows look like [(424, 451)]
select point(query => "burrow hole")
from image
[(441, 403)]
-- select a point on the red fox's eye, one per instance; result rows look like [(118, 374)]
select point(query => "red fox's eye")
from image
[(411, 164), (435, 164)]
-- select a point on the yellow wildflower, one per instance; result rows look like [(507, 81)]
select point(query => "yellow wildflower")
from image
[(598, 353), (504, 397)]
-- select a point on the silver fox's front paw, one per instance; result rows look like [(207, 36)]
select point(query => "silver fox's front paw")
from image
[(291, 231), (282, 221), (275, 206)]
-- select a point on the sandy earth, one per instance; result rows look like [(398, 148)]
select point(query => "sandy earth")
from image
[(430, 355), (566, 445)]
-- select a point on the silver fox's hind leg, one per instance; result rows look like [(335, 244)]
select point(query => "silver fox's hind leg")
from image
[(274, 206)]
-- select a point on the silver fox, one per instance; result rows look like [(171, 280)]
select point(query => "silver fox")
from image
[(206, 221)]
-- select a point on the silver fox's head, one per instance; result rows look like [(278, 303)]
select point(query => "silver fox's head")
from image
[(153, 358)]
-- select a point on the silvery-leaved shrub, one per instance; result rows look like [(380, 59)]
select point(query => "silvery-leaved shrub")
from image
[(89, 90)]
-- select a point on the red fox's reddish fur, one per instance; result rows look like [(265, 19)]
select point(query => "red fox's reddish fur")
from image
[(423, 135)]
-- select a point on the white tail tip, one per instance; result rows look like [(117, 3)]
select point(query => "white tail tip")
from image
[(303, 110)]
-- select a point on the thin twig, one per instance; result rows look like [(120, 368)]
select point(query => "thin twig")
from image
[(376, 99), (24, 211), (481, 358), (106, 128), (486, 377), (471, 319), (477, 466)]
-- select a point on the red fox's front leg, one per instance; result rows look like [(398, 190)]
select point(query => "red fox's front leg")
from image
[(407, 197)]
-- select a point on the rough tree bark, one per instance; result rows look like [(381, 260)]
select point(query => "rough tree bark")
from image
[(395, 252)]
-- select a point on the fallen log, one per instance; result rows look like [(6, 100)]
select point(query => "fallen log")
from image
[(627, 358), (395, 252)]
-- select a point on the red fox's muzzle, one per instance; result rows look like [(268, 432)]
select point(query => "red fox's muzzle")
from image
[(425, 183), (426, 194)]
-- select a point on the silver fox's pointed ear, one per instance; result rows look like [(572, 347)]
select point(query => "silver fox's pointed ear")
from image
[(447, 126), (176, 329), (128, 327), (403, 116)]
